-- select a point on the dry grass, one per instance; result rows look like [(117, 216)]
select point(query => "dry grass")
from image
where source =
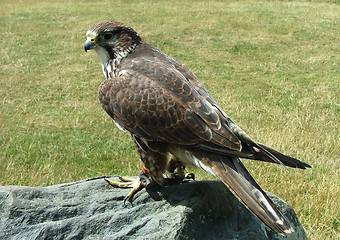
[(273, 67)]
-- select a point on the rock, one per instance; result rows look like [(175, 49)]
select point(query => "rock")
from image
[(92, 209)]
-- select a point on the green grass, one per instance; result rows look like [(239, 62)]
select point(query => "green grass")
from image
[(274, 67)]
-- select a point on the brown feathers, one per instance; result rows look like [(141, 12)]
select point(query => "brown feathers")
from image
[(169, 112)]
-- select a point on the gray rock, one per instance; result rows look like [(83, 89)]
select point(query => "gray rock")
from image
[(92, 209)]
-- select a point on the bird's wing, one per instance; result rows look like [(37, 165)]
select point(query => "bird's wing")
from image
[(156, 102), (249, 148)]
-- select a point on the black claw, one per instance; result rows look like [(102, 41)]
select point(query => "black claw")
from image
[(190, 176), (125, 199)]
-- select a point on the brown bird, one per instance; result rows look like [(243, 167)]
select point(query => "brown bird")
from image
[(175, 122)]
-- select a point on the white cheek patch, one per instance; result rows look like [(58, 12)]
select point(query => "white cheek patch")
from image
[(102, 54)]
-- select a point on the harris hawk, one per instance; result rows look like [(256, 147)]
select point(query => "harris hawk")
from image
[(175, 122)]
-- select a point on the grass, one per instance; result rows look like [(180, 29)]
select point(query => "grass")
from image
[(273, 66)]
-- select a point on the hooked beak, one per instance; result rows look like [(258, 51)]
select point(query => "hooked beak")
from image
[(88, 45)]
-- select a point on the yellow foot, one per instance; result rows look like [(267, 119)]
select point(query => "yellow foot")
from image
[(134, 183)]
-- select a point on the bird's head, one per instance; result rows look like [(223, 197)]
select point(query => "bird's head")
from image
[(111, 40)]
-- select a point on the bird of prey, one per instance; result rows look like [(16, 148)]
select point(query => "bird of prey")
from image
[(175, 122)]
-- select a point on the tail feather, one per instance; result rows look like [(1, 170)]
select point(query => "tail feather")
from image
[(257, 151), (235, 176), (286, 160)]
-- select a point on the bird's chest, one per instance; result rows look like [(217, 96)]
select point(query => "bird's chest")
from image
[(110, 69)]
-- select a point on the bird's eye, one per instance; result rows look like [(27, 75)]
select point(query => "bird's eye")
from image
[(108, 36)]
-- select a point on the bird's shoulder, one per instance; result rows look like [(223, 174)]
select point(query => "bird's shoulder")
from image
[(148, 57)]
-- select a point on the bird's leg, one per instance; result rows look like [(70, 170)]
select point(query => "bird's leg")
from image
[(176, 172), (136, 184), (175, 169)]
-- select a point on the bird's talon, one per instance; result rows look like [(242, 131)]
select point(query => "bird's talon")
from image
[(112, 183), (136, 184), (190, 176), (125, 199)]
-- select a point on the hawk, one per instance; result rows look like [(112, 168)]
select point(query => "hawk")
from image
[(175, 122)]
